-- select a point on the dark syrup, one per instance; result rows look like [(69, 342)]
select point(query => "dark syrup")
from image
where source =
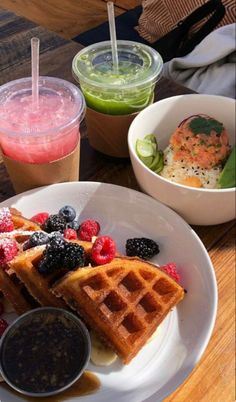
[(87, 384)]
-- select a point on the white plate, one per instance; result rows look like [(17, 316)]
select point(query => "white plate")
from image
[(164, 363)]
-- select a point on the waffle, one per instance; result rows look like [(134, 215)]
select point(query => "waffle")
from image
[(14, 293), (22, 223), (25, 268), (123, 301), (10, 286)]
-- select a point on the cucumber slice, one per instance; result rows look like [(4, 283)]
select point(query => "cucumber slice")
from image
[(160, 165), (227, 177), (147, 161), (151, 138), (145, 149), (155, 162)]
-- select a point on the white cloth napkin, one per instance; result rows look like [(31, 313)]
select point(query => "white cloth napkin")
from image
[(210, 68)]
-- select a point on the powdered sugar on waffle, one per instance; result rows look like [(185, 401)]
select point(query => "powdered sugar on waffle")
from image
[(16, 232), (6, 224)]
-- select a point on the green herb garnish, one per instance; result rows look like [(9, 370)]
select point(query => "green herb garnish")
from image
[(203, 125)]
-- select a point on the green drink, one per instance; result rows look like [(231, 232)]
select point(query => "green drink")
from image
[(125, 91)]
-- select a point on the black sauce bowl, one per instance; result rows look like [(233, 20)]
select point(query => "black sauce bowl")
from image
[(44, 351)]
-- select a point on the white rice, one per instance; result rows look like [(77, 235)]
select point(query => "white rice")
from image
[(177, 171)]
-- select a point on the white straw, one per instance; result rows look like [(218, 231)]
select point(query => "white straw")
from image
[(35, 69), (112, 27)]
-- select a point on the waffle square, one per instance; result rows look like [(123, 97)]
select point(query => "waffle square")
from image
[(13, 291), (123, 301)]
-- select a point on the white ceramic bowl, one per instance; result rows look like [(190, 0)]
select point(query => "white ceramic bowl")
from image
[(196, 206)]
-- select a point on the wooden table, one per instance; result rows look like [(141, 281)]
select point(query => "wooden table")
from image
[(213, 378)]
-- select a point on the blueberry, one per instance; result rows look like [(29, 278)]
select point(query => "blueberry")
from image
[(73, 225), (68, 213), (36, 239), (54, 235)]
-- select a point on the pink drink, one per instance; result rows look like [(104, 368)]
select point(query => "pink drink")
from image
[(43, 133)]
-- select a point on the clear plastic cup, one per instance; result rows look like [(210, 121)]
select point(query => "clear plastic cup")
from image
[(44, 133), (126, 91)]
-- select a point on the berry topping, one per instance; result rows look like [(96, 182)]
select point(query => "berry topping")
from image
[(88, 229), (1, 308), (52, 255), (40, 218), (74, 256), (171, 270), (103, 250), (6, 224), (8, 250), (70, 234), (60, 254), (68, 213), (54, 223), (3, 326), (37, 239), (73, 225), (141, 247)]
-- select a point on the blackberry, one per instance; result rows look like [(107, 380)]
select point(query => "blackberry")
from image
[(54, 223), (60, 254), (74, 256), (141, 247), (53, 255), (68, 213)]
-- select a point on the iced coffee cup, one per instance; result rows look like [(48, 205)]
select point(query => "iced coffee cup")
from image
[(40, 143), (114, 97)]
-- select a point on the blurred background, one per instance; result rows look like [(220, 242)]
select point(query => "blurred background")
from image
[(67, 18)]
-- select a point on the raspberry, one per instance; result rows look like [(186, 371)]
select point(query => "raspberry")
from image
[(1, 308), (40, 218), (3, 326), (8, 250), (70, 234), (54, 223), (88, 229), (141, 247), (6, 224), (171, 270), (103, 250)]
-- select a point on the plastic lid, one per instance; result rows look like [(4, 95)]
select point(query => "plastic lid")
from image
[(68, 106), (139, 65)]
